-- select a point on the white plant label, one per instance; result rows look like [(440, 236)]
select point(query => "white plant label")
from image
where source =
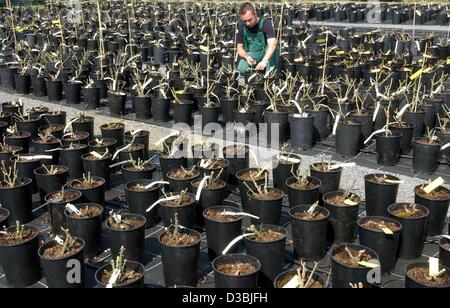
[(445, 146), (433, 185), (289, 159), (255, 158), (117, 218), (373, 134), (293, 283), (336, 123), (402, 111), (135, 132), (313, 208), (200, 188), (387, 231), (234, 242), (71, 208), (96, 155), (69, 125), (162, 200), (350, 202), (120, 163), (368, 264), (393, 181), (113, 279), (59, 240), (121, 150), (238, 214), (343, 165), (433, 267), (156, 183), (377, 109), (36, 157)]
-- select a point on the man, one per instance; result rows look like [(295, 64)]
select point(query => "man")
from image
[(256, 42)]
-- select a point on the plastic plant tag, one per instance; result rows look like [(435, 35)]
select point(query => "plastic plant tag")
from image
[(117, 218), (387, 231), (433, 185), (393, 181), (234, 242), (289, 159), (336, 123), (350, 202), (135, 132), (368, 264), (162, 200), (69, 124), (96, 155), (71, 208), (433, 267), (229, 213), (373, 134), (113, 279), (293, 283), (343, 165), (36, 157), (402, 111), (120, 163), (59, 240), (375, 113), (445, 146), (165, 138), (156, 183), (200, 188), (121, 150)]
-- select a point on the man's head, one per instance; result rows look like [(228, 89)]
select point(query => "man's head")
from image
[(248, 15)]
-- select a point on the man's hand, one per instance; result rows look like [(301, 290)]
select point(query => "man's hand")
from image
[(250, 61), (261, 66)]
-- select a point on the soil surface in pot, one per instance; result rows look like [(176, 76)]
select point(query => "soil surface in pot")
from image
[(300, 186), (18, 183), (269, 195), (216, 184), (422, 274), (426, 142), (131, 167), (74, 137), (17, 135), (446, 246), (252, 175), (87, 212), (216, 215), (379, 225), (185, 200), (134, 147), (384, 179), (112, 126), (129, 276), (50, 140), (87, 185), (67, 196), (126, 224), (409, 212), (11, 240), (216, 164), (339, 200), (53, 171), (179, 174), (93, 157), (25, 159), (317, 215), (178, 240), (236, 269), (267, 235), (440, 193), (57, 251), (314, 284), (343, 257), (102, 144), (322, 167)]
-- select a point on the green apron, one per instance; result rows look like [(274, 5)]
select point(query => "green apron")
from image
[(255, 44)]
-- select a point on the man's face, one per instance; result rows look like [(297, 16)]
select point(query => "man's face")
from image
[(249, 19)]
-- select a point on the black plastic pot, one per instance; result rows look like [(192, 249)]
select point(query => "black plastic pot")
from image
[(342, 220), (30, 126), (330, 180), (302, 131), (71, 158), (283, 168), (21, 262), (72, 93), (413, 233), (348, 138), (132, 240), (180, 263), (220, 234), (425, 156), (39, 86), (4, 216), (209, 114), (58, 271), (309, 236), (142, 107), (6, 117), (54, 90), (227, 109), (411, 283), (26, 169), (444, 254), (86, 126), (208, 171), (116, 103), (386, 246), (273, 118), (186, 213), (438, 211), (135, 152), (116, 133), (99, 168), (407, 135), (209, 197), (56, 210), (130, 175), (91, 97), (268, 211), (181, 184), (23, 83), (234, 282), (388, 148), (91, 195), (18, 201), (22, 141), (9, 107), (7, 78), (89, 229), (138, 284), (182, 113), (380, 195), (366, 121), (140, 201), (169, 163), (243, 190), (418, 120), (238, 162), (291, 273), (303, 196), (321, 130), (141, 137), (343, 275), (160, 109), (108, 144), (270, 254), (47, 183), (76, 138)]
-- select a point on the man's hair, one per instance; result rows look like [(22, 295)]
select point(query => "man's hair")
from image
[(247, 6)]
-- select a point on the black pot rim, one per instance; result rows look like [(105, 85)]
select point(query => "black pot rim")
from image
[(268, 226), (306, 206), (97, 178), (420, 264), (360, 221), (60, 113), (28, 240), (249, 194), (107, 156), (409, 126), (127, 186), (197, 234), (206, 188), (416, 140), (9, 135), (184, 205), (246, 170), (390, 177), (328, 171), (104, 126), (141, 270), (335, 193), (36, 172), (316, 276), (393, 135), (81, 205), (187, 179), (89, 119), (367, 249), (142, 133), (423, 197), (421, 207), (143, 219), (237, 256), (94, 143), (297, 156), (311, 178), (25, 182), (227, 164), (53, 242), (64, 202), (152, 168), (222, 207)]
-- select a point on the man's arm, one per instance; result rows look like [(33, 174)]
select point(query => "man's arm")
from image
[(243, 54), (271, 47)]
